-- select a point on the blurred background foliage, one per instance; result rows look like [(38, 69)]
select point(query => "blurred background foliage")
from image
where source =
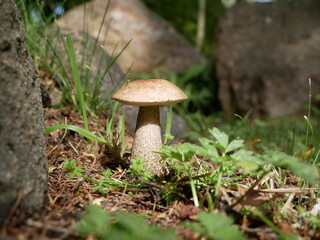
[(182, 14), (200, 82)]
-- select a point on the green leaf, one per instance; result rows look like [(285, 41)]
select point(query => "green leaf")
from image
[(67, 164), (230, 233), (233, 145), (181, 152), (76, 172), (138, 168), (221, 137), (87, 134), (132, 227), (247, 160), (208, 149), (186, 150), (100, 189), (94, 222), (218, 227), (306, 171), (77, 82)]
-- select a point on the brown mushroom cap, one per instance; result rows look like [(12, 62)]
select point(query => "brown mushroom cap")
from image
[(149, 92)]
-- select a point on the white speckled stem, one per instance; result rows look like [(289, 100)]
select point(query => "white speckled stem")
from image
[(148, 139)]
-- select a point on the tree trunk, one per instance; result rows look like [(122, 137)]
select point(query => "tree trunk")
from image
[(23, 166)]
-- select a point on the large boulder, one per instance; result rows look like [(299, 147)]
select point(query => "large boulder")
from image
[(266, 53), (23, 166), (153, 42)]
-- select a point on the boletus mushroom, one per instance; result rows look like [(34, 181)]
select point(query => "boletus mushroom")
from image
[(149, 94)]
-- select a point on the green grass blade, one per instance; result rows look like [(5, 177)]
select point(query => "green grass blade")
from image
[(122, 133), (77, 81), (110, 122), (309, 114), (114, 59), (167, 135), (83, 132), (245, 124)]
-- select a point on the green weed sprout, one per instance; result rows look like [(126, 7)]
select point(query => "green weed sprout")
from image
[(102, 185), (215, 226), (113, 226), (138, 168)]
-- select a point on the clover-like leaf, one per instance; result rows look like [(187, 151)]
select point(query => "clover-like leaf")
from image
[(216, 227), (234, 145), (209, 148), (221, 137), (247, 160)]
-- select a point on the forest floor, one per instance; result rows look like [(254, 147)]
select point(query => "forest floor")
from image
[(67, 197)]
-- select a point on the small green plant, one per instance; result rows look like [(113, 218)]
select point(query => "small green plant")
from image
[(106, 182), (103, 225), (215, 226), (138, 169), (181, 154), (229, 157), (114, 139), (115, 136), (102, 185), (75, 171)]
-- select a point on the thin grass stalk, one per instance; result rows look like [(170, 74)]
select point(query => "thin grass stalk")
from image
[(65, 85), (85, 35), (201, 28), (122, 133), (167, 135), (77, 81), (99, 32), (245, 124), (270, 224), (217, 188), (192, 185), (291, 148), (309, 113), (115, 59), (24, 14), (110, 122)]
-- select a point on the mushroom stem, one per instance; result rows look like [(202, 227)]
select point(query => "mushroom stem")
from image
[(148, 140)]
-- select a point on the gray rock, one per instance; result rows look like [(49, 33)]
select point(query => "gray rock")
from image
[(266, 53), (23, 166), (153, 42)]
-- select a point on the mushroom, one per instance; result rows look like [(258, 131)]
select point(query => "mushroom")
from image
[(149, 94)]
